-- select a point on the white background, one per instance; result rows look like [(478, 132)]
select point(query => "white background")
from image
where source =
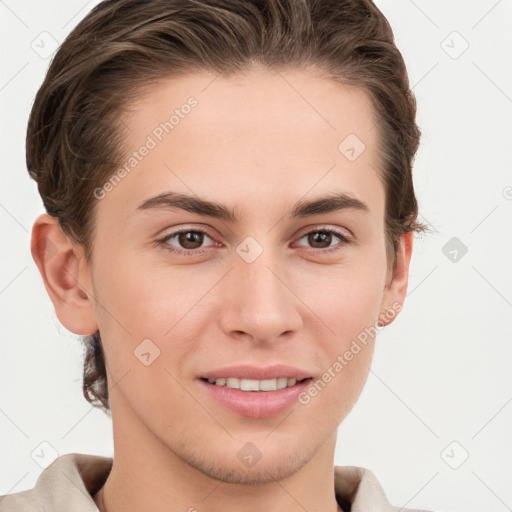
[(441, 371)]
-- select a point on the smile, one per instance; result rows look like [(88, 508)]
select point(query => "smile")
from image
[(255, 385)]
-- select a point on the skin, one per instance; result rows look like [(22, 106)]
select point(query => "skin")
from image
[(254, 144)]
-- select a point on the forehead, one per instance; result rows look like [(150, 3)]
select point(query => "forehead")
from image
[(265, 134), (262, 103)]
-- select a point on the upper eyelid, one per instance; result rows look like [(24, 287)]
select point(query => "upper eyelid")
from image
[(177, 231), (325, 227)]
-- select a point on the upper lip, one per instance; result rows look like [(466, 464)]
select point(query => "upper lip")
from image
[(257, 373)]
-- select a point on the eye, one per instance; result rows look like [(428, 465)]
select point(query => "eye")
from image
[(189, 240), (324, 238)]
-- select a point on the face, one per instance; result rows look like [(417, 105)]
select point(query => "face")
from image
[(259, 280)]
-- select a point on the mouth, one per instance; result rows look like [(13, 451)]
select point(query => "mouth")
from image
[(254, 385), (252, 398)]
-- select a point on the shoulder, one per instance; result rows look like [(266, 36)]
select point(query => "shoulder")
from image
[(66, 484), (358, 490)]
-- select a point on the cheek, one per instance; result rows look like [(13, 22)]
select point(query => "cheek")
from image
[(345, 378), (346, 298), (147, 333), (148, 298), (148, 308), (346, 301), (347, 348), (122, 310)]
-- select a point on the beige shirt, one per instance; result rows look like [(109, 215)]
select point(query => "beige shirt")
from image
[(70, 481)]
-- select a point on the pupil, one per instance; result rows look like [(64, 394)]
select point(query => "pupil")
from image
[(324, 237), (188, 237)]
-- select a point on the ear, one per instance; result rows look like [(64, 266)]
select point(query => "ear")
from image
[(65, 275), (396, 281)]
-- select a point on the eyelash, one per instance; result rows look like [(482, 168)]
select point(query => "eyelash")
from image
[(195, 252)]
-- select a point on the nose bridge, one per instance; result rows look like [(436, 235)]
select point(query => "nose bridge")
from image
[(261, 304)]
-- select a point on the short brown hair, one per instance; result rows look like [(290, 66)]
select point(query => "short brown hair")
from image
[(74, 140)]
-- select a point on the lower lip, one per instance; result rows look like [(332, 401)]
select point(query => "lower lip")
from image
[(256, 404)]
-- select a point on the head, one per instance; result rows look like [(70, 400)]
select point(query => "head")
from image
[(256, 106)]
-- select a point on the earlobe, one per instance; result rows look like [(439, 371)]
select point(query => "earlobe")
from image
[(395, 290), (65, 276)]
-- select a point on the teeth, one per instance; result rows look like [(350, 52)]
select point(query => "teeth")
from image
[(268, 385), (282, 383), (254, 385), (249, 385), (233, 382)]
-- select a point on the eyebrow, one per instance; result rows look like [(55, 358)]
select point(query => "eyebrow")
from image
[(332, 203)]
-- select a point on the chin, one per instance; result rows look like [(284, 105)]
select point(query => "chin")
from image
[(251, 465), (261, 473)]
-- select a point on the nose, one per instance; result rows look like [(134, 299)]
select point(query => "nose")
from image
[(259, 301)]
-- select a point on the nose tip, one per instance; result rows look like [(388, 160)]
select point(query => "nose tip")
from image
[(259, 302)]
